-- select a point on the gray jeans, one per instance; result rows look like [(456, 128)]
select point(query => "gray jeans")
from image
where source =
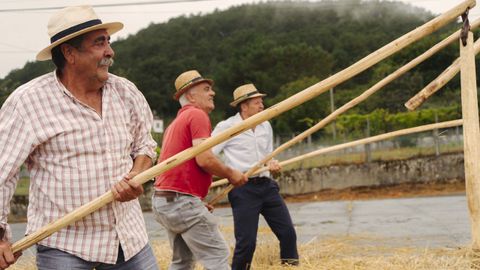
[(193, 233)]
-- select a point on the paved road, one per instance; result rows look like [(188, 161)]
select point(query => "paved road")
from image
[(422, 222), (425, 221)]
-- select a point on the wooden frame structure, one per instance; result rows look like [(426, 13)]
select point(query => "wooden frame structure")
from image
[(271, 112)]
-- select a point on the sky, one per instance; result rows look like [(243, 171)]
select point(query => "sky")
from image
[(24, 22)]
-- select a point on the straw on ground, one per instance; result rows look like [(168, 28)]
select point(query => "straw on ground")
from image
[(335, 252)]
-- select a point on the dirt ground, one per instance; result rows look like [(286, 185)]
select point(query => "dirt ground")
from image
[(406, 190)]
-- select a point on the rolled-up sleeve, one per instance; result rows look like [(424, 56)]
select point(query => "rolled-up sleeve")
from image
[(143, 142)]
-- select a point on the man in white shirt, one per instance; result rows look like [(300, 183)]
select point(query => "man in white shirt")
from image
[(261, 193)]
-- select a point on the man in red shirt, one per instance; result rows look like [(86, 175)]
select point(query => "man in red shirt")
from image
[(177, 202)]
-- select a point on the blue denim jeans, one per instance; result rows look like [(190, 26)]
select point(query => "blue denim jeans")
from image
[(193, 233), (55, 259)]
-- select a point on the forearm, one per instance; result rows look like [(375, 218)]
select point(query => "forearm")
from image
[(7, 189), (211, 164), (141, 163)]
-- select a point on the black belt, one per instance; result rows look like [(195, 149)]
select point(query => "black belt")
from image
[(259, 180), (168, 195)]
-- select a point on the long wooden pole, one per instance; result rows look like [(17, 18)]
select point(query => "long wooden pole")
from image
[(271, 112), (471, 135), (438, 83), (331, 117), (413, 63), (372, 139)]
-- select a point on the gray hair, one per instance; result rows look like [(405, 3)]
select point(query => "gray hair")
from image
[(183, 100)]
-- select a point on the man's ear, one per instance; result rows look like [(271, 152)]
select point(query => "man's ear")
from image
[(68, 53), (242, 105), (189, 95)]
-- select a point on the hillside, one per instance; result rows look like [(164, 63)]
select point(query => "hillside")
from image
[(282, 47)]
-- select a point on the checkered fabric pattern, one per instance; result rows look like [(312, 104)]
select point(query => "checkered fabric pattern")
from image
[(75, 155)]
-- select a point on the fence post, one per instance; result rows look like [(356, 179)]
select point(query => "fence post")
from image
[(368, 150), (435, 137), (471, 142), (334, 125)]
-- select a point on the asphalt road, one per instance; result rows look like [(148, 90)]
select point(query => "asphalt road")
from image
[(422, 222)]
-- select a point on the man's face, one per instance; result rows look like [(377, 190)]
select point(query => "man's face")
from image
[(201, 95), (94, 56), (252, 106)]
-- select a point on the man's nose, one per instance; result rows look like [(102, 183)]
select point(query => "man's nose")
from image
[(109, 51)]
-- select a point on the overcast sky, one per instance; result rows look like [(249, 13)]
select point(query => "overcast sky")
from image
[(25, 28)]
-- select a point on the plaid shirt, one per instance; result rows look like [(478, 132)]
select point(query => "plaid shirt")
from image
[(74, 155)]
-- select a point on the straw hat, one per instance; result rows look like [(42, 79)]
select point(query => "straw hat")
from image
[(245, 92), (186, 80), (70, 22)]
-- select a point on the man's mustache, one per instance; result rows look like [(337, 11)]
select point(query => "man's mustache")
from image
[(106, 62)]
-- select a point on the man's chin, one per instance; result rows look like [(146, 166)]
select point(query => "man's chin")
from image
[(103, 75)]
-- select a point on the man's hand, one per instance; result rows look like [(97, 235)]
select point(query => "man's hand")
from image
[(274, 166), (125, 190), (209, 207), (237, 178), (7, 257)]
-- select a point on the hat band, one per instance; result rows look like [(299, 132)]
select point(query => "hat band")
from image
[(247, 95), (74, 29), (190, 82)]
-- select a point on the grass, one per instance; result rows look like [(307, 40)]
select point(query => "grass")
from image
[(22, 186), (340, 157)]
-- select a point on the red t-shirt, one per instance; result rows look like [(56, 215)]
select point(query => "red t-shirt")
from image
[(191, 123)]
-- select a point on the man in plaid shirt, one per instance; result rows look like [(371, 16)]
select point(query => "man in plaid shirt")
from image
[(81, 131)]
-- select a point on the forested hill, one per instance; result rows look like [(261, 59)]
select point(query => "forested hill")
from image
[(282, 47)]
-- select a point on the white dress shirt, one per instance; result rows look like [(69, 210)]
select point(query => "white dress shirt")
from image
[(245, 150)]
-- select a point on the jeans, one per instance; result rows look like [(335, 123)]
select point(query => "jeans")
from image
[(248, 202), (55, 259), (193, 233)]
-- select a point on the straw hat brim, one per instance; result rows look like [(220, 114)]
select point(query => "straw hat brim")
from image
[(236, 102), (111, 28), (180, 92)]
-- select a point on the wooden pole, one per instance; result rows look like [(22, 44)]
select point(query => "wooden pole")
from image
[(334, 115), (438, 83), (373, 139), (471, 137), (269, 113), (418, 60)]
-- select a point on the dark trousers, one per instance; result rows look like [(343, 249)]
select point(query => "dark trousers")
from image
[(260, 196)]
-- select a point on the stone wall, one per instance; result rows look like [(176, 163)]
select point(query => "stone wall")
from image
[(378, 173)]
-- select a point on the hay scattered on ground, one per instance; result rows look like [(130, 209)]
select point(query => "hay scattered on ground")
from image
[(341, 252), (354, 252), (348, 253)]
